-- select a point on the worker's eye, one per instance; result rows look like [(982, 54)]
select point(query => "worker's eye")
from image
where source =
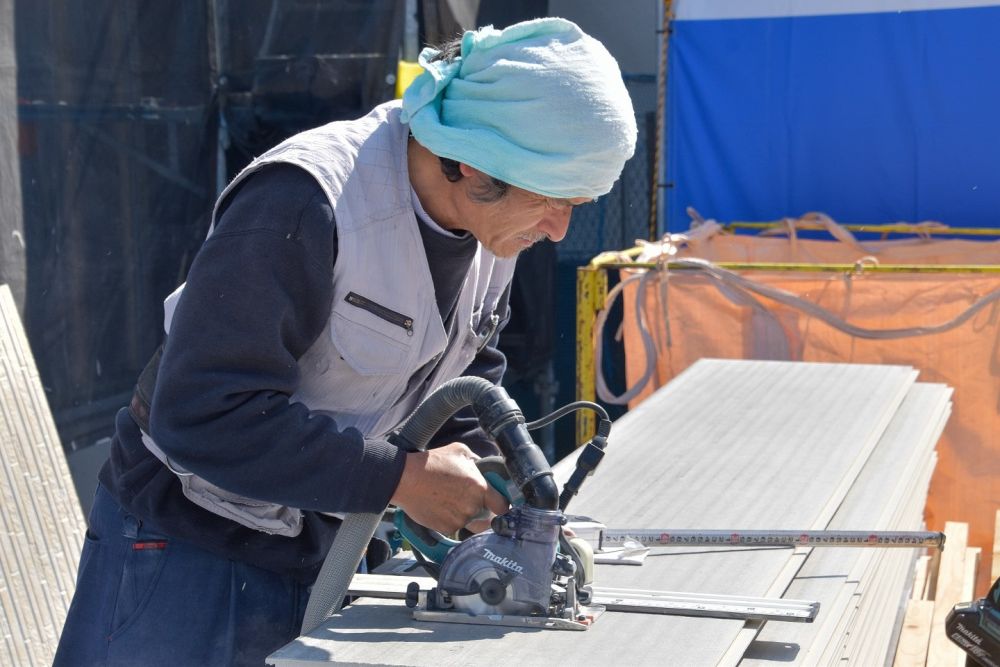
[(559, 204), (570, 203)]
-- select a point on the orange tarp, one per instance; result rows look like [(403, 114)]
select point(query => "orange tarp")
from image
[(691, 315)]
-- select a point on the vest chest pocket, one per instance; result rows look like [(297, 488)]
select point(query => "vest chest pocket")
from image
[(369, 359), (367, 351), (384, 314)]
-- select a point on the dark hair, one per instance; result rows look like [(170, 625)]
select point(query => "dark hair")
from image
[(491, 189), (448, 50)]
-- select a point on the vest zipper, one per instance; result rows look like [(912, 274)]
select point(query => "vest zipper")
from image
[(381, 311)]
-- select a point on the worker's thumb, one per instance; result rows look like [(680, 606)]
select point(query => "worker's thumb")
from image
[(494, 501)]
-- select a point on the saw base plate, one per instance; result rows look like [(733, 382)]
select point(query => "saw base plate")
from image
[(589, 614)]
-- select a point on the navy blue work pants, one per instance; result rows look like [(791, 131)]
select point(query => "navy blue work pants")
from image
[(144, 599)]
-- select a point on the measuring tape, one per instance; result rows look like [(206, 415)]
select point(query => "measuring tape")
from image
[(771, 538)]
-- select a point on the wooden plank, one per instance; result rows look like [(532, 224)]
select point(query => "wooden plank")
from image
[(920, 574), (41, 526), (746, 444), (995, 568), (912, 648), (972, 556), (941, 652), (930, 588)]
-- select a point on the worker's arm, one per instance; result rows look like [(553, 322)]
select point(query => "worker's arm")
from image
[(452, 451), (258, 294), (462, 440)]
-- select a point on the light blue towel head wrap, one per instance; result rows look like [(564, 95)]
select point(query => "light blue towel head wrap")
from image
[(540, 105)]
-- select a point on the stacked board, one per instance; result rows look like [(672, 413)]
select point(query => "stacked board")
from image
[(863, 592), (748, 445), (41, 527)]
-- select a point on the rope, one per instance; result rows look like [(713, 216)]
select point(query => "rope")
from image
[(740, 290)]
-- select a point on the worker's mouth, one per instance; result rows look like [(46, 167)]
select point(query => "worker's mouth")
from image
[(528, 240)]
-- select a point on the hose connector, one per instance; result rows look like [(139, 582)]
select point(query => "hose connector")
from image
[(529, 470)]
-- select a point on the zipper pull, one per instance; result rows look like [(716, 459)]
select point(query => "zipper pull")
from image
[(492, 323)]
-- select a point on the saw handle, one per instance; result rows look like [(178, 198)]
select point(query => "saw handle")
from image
[(432, 544), (494, 469)]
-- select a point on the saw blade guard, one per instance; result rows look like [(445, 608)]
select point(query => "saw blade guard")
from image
[(506, 570)]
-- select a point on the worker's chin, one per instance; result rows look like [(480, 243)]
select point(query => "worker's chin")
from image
[(506, 250), (511, 247)]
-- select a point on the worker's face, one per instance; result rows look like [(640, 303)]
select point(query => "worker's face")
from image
[(520, 219)]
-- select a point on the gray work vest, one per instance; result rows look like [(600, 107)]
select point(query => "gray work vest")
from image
[(385, 323)]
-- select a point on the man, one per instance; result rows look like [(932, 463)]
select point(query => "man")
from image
[(350, 271)]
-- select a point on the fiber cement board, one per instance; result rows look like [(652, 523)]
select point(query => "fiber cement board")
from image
[(41, 527), (878, 499), (727, 444)]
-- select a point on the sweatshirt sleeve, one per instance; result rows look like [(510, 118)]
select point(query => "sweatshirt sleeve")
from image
[(257, 296)]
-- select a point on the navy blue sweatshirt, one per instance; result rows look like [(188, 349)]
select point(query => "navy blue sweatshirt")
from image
[(257, 296)]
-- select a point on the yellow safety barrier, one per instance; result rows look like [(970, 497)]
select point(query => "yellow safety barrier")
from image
[(406, 72)]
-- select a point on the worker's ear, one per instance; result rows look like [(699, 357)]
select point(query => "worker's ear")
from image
[(470, 172)]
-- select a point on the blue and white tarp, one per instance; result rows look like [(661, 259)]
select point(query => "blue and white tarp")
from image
[(868, 110)]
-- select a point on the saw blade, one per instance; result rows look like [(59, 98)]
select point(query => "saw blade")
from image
[(474, 603)]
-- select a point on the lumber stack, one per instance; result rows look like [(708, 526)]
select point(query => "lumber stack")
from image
[(940, 581), (41, 526), (726, 445)]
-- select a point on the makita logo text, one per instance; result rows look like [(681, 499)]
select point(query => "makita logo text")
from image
[(501, 561)]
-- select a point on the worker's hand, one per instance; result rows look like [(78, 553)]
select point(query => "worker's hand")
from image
[(443, 490), (480, 522)]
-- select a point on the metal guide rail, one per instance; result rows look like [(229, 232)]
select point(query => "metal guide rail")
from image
[(701, 604), (669, 603)]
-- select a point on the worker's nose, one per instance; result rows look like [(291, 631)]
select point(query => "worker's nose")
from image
[(556, 223)]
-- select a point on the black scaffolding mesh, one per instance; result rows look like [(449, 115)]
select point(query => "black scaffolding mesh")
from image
[(123, 106)]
